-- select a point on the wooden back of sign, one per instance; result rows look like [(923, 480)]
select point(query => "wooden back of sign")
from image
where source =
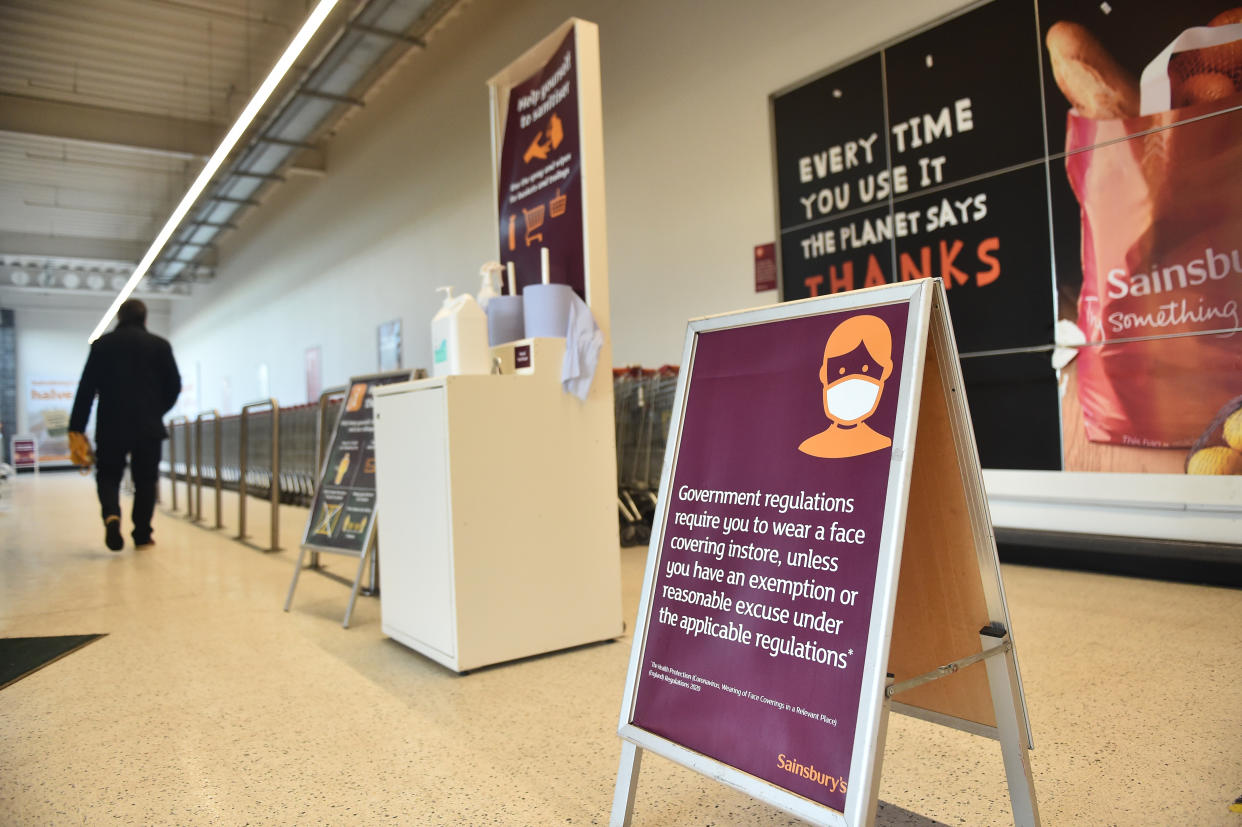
[(949, 587)]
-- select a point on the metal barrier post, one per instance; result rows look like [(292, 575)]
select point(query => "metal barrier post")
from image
[(275, 480), (275, 485), (189, 477), (172, 454), (197, 503), (243, 451), (172, 459), (218, 472)]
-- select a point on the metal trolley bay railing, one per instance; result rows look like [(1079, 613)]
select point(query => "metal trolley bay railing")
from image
[(266, 451), (275, 453)]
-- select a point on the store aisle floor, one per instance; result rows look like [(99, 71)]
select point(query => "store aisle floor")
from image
[(206, 703)]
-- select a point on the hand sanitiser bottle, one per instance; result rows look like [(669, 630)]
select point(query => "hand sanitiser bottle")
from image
[(488, 289), (459, 336)]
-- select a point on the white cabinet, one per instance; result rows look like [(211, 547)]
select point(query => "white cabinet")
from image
[(423, 571), (497, 514)]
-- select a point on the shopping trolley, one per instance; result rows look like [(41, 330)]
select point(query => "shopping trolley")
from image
[(644, 403), (534, 220)]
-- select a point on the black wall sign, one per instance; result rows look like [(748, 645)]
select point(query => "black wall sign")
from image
[(1048, 160), (926, 159)]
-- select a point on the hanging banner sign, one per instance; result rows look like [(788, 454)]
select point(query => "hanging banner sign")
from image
[(539, 179), (342, 515), (770, 617)]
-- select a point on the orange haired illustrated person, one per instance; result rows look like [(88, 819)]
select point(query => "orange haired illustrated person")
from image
[(858, 358)]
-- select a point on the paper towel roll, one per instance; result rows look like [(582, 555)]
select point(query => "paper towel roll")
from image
[(547, 309), (504, 320)]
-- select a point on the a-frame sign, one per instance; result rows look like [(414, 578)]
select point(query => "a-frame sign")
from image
[(823, 545), (342, 513)]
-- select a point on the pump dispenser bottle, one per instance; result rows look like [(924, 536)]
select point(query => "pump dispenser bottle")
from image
[(459, 336)]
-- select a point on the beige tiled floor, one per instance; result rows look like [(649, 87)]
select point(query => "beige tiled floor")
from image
[(207, 704)]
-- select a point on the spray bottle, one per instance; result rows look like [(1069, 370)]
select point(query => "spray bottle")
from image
[(489, 288)]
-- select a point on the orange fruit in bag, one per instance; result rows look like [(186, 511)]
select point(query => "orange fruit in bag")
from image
[(1203, 88), (1233, 430), (1215, 460), (1225, 58), (1226, 17)]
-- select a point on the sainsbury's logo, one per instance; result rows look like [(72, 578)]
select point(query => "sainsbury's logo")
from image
[(834, 783)]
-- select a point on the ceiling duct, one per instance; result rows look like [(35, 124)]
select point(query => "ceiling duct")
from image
[(79, 276), (376, 34)]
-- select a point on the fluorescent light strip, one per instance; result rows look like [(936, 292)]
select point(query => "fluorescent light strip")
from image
[(217, 158)]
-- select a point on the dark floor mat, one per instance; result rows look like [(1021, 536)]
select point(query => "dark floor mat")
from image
[(21, 656)]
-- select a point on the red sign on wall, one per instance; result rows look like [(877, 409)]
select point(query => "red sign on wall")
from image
[(765, 267), (25, 452)]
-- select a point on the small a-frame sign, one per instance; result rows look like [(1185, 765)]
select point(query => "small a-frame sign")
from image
[(342, 513), (823, 545)]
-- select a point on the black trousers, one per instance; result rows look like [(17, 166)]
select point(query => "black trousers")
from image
[(144, 468)]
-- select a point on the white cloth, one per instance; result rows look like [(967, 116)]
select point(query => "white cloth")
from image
[(583, 340)]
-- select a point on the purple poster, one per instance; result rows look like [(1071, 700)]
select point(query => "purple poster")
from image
[(758, 620), (540, 175)]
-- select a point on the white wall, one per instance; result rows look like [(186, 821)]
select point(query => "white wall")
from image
[(407, 202), (52, 330)]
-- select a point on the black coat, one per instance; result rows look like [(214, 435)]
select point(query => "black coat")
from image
[(136, 378)]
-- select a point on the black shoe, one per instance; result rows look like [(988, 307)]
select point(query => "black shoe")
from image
[(146, 542), (112, 534)]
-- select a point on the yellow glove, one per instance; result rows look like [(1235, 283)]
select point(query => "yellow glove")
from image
[(80, 450)]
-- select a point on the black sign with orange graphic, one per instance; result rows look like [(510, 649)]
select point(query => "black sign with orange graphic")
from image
[(344, 506), (925, 163), (927, 160), (540, 175), (1069, 171)]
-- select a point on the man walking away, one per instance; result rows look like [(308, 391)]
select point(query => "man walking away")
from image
[(135, 376)]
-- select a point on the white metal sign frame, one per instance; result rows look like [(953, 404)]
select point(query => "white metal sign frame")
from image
[(927, 324)]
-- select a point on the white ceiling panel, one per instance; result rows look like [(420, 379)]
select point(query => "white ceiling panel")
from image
[(109, 108), (164, 57)]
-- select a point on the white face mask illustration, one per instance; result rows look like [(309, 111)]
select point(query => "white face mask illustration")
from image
[(851, 399)]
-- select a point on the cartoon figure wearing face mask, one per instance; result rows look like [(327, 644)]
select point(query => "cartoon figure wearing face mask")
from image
[(857, 361)]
